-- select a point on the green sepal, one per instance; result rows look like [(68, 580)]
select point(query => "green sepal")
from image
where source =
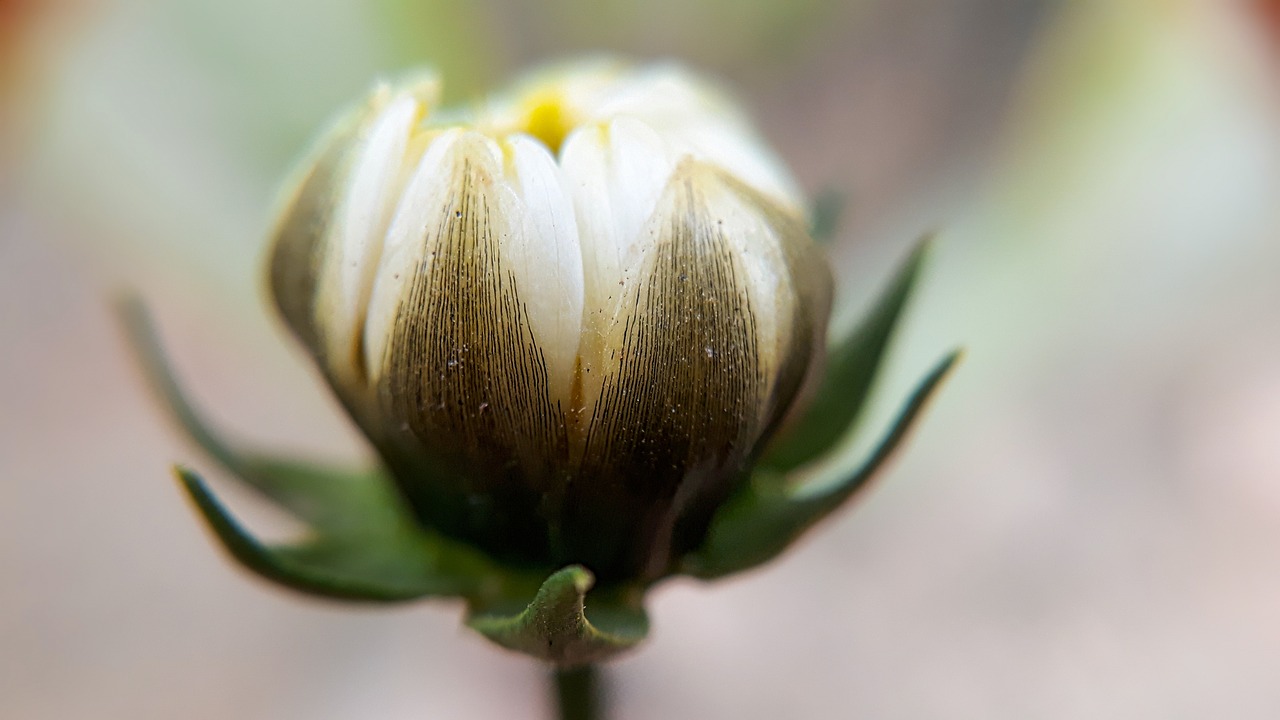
[(824, 219), (332, 501), (392, 567), (554, 627), (850, 373), (361, 543), (337, 501), (768, 513)]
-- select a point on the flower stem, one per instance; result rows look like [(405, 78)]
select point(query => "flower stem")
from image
[(578, 693)]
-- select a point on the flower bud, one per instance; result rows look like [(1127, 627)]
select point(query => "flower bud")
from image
[(569, 318)]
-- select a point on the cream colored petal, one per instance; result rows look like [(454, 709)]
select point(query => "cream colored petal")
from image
[(576, 87), (615, 173), (543, 254), (787, 278), (460, 375), (426, 197), (712, 345), (306, 233), (357, 237), (698, 118), (581, 83), (298, 243), (744, 155)]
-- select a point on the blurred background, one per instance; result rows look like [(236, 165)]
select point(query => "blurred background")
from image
[(1087, 524)]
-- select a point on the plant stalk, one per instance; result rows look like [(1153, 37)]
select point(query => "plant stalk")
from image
[(578, 693)]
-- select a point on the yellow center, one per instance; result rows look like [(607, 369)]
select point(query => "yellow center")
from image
[(548, 119)]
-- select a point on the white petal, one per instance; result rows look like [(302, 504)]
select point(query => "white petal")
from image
[(543, 254), (456, 364), (426, 197), (681, 394), (667, 95), (615, 174), (787, 280), (762, 260), (744, 156), (577, 87), (698, 118), (358, 231)]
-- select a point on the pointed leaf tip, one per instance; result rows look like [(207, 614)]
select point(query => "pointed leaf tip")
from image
[(332, 502), (554, 626), (852, 366), (768, 515), (372, 570)]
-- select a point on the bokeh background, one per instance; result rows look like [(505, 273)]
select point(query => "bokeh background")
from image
[(1087, 524)]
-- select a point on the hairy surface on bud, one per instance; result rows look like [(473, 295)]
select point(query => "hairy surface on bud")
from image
[(567, 318)]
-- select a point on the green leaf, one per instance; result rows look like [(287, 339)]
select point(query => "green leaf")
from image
[(363, 544), (333, 502), (851, 371), (824, 220), (768, 514), (554, 626), (330, 501), (392, 567)]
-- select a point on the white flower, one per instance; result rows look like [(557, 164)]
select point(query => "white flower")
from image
[(567, 318)]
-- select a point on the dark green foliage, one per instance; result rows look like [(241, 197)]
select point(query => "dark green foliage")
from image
[(851, 370), (768, 514), (554, 625)]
